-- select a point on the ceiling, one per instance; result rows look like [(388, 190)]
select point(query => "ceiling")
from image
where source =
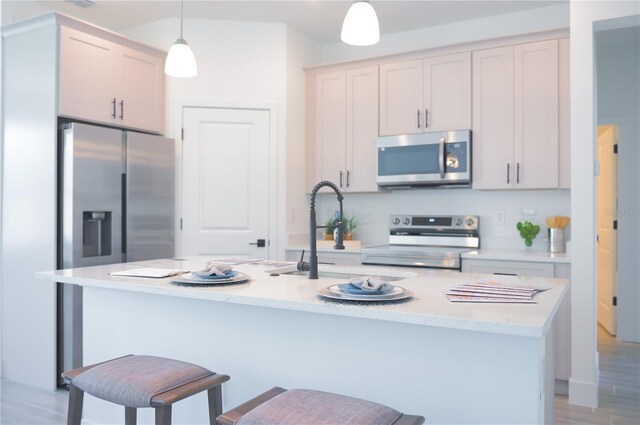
[(319, 19)]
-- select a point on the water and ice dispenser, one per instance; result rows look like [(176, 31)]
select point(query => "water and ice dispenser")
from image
[(96, 233)]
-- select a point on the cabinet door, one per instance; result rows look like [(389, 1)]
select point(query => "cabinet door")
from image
[(401, 86), (361, 129), (564, 118), (88, 70), (536, 115), (141, 90), (447, 92), (492, 136), (508, 268), (330, 127)]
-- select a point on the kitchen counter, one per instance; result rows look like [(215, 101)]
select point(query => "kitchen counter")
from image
[(453, 363), (517, 255)]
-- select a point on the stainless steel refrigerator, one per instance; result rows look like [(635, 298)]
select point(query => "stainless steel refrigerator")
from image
[(116, 203)]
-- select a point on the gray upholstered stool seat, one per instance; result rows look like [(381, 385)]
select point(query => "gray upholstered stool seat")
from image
[(143, 381), (300, 407)]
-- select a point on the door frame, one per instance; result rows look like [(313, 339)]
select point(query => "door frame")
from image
[(175, 125)]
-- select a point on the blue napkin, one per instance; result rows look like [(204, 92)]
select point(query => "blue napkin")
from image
[(227, 275), (366, 285), (213, 270)]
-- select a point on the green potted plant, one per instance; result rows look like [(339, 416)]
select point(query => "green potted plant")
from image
[(328, 231), (528, 231), (350, 224)]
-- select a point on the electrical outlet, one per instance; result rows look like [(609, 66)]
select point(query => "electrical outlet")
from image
[(500, 217), (367, 216), (529, 212)]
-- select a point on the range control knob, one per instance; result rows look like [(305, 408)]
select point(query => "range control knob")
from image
[(406, 221), (396, 220), (458, 221), (469, 222)]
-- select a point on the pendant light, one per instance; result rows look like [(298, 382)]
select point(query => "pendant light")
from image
[(360, 26), (180, 60)]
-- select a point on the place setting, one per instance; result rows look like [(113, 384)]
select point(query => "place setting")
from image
[(365, 289), (212, 275)]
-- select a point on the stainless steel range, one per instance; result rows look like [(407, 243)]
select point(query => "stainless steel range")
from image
[(432, 241)]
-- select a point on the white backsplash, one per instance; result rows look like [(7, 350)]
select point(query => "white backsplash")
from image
[(374, 209)]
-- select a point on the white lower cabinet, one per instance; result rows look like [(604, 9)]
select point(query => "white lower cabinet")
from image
[(563, 317)]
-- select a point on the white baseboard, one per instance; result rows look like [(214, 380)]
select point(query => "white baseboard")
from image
[(583, 393)]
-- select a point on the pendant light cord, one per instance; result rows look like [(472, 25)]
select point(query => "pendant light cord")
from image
[(181, 17)]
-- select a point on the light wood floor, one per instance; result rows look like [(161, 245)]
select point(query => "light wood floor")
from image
[(619, 394)]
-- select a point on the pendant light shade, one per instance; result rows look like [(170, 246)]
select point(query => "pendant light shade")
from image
[(180, 61), (360, 26)]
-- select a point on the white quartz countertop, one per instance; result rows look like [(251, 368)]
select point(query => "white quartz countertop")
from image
[(428, 307), (516, 255)]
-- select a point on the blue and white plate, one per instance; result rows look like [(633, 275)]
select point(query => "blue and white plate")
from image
[(227, 275), (348, 288)]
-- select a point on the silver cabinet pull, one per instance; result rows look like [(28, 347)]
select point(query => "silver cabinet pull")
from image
[(426, 118), (518, 173), (348, 175), (113, 103), (418, 118), (122, 109), (508, 172), (340, 178), (441, 158)]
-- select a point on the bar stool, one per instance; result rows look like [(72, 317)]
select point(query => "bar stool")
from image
[(143, 381), (281, 407)]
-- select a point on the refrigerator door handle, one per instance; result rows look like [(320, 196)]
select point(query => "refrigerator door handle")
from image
[(124, 217)]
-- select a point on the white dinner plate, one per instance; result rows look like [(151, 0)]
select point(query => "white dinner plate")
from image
[(189, 279), (333, 292)]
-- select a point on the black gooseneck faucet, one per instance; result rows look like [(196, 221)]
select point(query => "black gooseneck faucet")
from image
[(313, 255)]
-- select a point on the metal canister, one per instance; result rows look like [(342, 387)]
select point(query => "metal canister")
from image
[(555, 240)]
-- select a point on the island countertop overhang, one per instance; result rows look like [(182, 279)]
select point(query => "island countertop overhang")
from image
[(429, 307)]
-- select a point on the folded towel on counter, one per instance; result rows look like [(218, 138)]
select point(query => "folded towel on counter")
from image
[(213, 269), (371, 284)]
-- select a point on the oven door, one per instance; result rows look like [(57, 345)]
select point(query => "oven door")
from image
[(425, 159)]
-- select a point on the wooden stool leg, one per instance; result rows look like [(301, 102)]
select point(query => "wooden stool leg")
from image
[(74, 414), (130, 416), (215, 403), (163, 415)]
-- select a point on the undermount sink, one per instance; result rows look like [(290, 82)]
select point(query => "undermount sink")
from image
[(336, 272)]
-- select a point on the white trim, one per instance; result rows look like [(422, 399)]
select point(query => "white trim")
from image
[(439, 51), (175, 127), (583, 393)]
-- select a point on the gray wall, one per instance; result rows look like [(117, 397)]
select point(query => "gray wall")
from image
[(618, 85)]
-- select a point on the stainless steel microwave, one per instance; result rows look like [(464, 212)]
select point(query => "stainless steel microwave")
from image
[(426, 159)]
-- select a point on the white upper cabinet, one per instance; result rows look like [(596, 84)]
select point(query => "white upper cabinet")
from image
[(493, 118), (433, 94), (515, 117), (141, 91), (106, 82), (346, 128), (330, 127), (362, 129), (401, 91), (447, 92), (564, 111), (536, 115), (88, 81)]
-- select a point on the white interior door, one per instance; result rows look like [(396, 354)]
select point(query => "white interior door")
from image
[(226, 182), (607, 236)]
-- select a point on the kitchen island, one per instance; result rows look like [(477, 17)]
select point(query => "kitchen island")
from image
[(452, 363)]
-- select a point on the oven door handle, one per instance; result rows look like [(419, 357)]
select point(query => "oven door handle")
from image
[(441, 158)]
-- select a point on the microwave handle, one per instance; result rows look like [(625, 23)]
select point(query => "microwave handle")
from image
[(441, 158)]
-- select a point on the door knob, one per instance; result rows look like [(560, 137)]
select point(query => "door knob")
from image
[(261, 243)]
